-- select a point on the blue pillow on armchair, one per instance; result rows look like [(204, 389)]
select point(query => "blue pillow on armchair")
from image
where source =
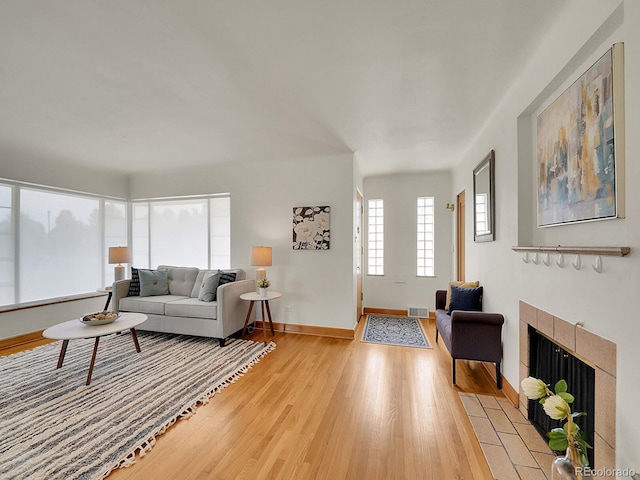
[(469, 299)]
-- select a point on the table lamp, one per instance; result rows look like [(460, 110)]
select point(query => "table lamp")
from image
[(261, 257), (118, 255)]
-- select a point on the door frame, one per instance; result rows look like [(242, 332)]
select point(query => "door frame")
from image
[(460, 235), (359, 246)]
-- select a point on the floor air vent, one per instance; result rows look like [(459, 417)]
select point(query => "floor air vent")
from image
[(422, 312)]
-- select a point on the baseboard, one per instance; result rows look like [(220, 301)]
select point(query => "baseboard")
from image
[(508, 391), (390, 311), (384, 311), (20, 339), (311, 330)]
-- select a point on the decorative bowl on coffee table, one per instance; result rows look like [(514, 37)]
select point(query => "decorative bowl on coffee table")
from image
[(99, 318)]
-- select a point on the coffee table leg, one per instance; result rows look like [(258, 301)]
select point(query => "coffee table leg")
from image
[(246, 321), (93, 360), (134, 335), (269, 314), (264, 324), (63, 352)]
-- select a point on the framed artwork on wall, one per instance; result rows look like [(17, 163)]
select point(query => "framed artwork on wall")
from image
[(580, 147), (311, 228)]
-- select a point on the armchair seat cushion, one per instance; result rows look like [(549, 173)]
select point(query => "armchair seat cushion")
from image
[(443, 325)]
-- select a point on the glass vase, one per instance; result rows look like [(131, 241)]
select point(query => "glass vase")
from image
[(564, 468)]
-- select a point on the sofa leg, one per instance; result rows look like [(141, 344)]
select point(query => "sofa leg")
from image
[(436, 335), (453, 369), (498, 376), (222, 341)]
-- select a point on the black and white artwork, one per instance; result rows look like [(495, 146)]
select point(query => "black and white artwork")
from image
[(311, 228)]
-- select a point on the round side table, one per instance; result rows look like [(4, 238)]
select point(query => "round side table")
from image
[(253, 297)]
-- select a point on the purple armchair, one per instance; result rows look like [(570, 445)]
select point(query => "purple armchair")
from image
[(470, 335)]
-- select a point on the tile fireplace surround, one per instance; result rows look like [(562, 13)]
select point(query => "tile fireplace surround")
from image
[(594, 350)]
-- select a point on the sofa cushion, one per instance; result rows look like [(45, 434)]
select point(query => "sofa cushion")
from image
[(150, 305), (240, 275), (195, 291), (180, 279), (153, 282), (134, 286), (458, 284), (209, 287), (443, 324), (191, 308), (468, 299), (226, 277)]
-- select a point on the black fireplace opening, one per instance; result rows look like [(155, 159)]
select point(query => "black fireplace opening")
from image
[(550, 363)]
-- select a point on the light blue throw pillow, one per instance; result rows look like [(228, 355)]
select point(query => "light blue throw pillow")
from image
[(153, 282), (209, 287)]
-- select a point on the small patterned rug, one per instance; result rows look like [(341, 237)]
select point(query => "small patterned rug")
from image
[(53, 426), (400, 331)]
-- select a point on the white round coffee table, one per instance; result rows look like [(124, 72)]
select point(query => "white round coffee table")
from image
[(74, 329), (264, 301)]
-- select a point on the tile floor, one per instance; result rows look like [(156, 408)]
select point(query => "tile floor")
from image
[(512, 446)]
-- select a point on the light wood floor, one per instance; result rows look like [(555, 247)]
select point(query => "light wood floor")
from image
[(321, 408)]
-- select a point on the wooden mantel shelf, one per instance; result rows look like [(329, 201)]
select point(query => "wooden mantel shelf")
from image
[(610, 251)]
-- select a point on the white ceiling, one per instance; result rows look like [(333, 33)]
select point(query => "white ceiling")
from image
[(136, 85)]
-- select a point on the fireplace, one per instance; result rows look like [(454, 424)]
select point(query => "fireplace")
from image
[(597, 352), (550, 362)]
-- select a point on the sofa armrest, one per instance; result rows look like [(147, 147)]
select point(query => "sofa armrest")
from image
[(476, 335), (463, 316), (232, 310), (441, 299), (120, 290)]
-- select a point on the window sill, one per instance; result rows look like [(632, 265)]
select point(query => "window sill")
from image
[(50, 301)]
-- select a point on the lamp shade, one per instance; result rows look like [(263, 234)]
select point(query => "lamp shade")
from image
[(261, 256), (118, 255)]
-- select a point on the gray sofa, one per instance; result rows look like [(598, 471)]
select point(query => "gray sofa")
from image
[(181, 312), (470, 335)]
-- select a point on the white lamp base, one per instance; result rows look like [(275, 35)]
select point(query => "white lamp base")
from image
[(118, 273), (261, 273)]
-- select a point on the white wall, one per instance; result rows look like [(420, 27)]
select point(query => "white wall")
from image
[(318, 286), (400, 288), (25, 167), (607, 303)]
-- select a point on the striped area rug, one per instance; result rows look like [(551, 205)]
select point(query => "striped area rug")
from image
[(391, 330), (53, 426)]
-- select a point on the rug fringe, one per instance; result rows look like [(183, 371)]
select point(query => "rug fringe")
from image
[(146, 446)]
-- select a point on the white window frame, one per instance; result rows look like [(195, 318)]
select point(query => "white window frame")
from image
[(425, 239), (375, 237)]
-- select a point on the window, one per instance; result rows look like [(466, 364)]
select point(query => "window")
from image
[(192, 232), (375, 238), (7, 275), (220, 232), (482, 225), (425, 238), (54, 243)]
